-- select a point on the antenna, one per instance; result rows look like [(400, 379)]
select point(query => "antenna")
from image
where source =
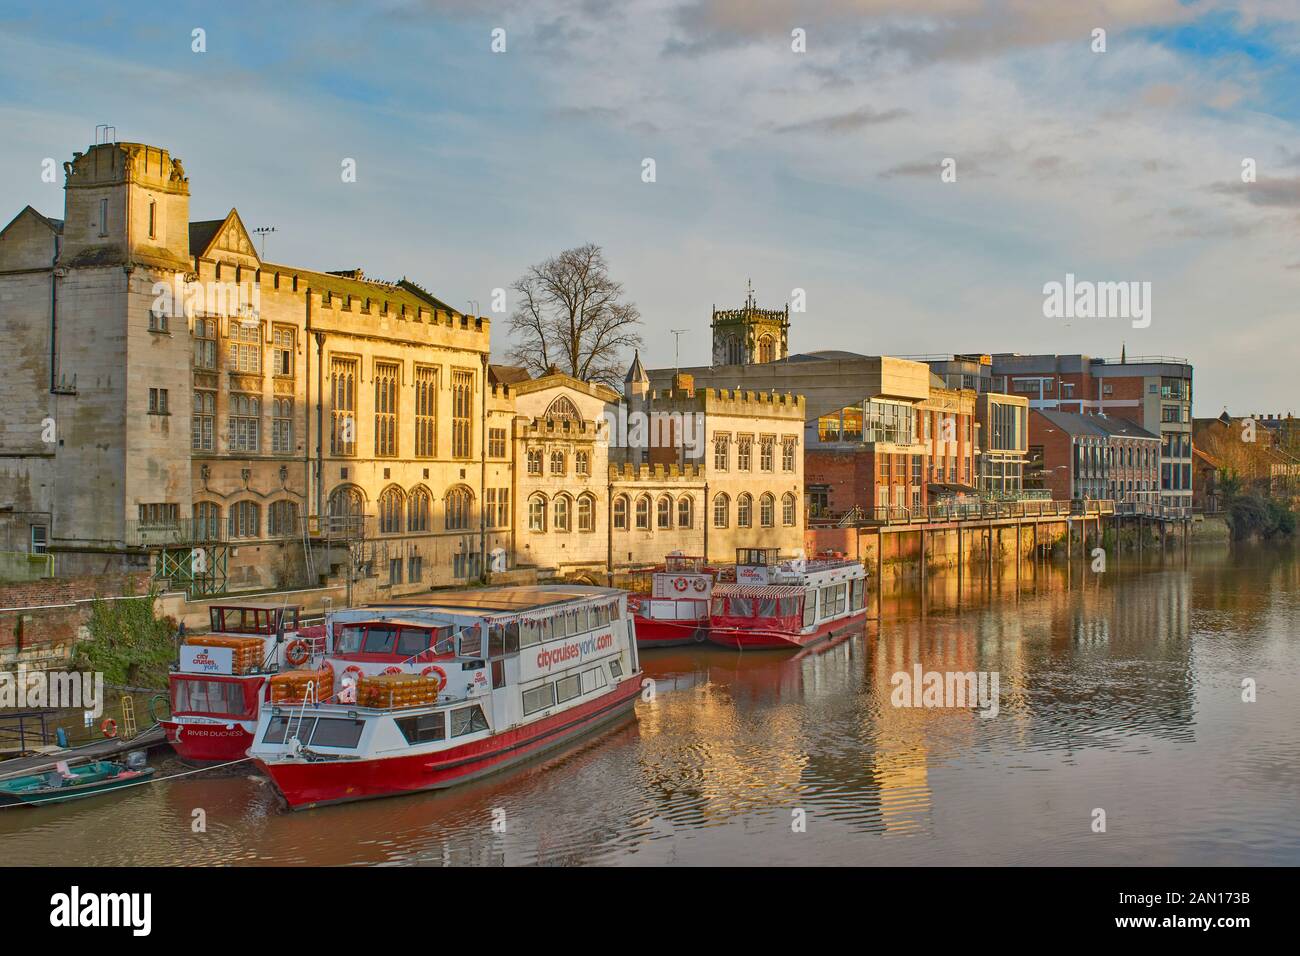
[(677, 347), (263, 231)]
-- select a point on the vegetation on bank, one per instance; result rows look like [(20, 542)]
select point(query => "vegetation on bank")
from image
[(1253, 514), (128, 643)]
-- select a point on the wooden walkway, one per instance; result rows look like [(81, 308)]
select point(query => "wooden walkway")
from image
[(97, 750)]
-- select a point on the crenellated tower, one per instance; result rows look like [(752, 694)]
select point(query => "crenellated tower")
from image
[(750, 335)]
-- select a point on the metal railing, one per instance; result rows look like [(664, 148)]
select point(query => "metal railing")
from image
[(982, 510)]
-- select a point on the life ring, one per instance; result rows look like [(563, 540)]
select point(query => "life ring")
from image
[(436, 671), (109, 727), (700, 584), (700, 635), (297, 653), (356, 672), (633, 605), (393, 670), (680, 584)]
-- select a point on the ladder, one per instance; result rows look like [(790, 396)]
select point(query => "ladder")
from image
[(128, 716)]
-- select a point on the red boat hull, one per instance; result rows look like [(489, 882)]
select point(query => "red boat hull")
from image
[(776, 639), (207, 743), (306, 785), (652, 632)]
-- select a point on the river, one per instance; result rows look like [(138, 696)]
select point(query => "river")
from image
[(1120, 691)]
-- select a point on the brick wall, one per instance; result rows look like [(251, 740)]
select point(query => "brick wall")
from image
[(41, 620)]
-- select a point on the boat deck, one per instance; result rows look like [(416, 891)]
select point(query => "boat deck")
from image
[(98, 750)]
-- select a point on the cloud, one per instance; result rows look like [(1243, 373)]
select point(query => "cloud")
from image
[(851, 121), (1271, 192)]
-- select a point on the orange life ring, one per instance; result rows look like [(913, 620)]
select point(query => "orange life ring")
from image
[(356, 672), (438, 672), (700, 584), (297, 652), (680, 584), (633, 605), (109, 727), (393, 670)]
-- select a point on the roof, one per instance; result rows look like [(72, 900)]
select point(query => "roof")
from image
[(636, 371), (498, 599), (1104, 426), (202, 234), (757, 590), (56, 225), (507, 374)]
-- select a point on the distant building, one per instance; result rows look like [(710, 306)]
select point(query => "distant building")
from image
[(750, 335), (1097, 457)]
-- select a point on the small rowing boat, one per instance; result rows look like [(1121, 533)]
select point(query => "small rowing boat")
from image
[(64, 783)]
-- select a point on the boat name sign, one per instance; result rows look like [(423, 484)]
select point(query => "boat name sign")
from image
[(559, 656), (196, 659)]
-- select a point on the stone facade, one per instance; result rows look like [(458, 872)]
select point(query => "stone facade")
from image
[(750, 335)]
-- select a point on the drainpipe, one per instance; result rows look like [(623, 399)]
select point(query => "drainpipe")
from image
[(320, 416), (482, 477), (306, 420), (705, 513), (54, 316)]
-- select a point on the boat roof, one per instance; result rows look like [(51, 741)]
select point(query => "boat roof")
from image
[(500, 599), (757, 590), (255, 606)]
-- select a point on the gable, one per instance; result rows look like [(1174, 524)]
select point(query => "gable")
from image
[(28, 242), (225, 239)]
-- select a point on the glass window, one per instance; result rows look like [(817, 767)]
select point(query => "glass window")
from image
[(468, 720), (380, 640), (567, 688), (425, 727), (412, 641), (539, 698)]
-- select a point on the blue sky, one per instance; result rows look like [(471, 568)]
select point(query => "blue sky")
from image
[(815, 170)]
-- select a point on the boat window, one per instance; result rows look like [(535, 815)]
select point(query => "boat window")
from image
[(539, 698), (577, 620), (593, 679), (740, 606), (841, 598), (719, 605), (333, 732), (613, 611), (379, 640), (567, 688), (616, 669), (602, 615), (412, 641), (471, 641), (349, 642), (529, 633), (809, 607), (859, 593), (424, 728), (498, 674), (544, 627), (767, 607), (472, 665), (789, 606), (468, 720), (828, 601), (276, 727), (209, 697), (560, 625), (503, 639)]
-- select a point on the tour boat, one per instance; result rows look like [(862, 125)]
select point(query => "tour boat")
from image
[(218, 680), (784, 604), (676, 611), (433, 690)]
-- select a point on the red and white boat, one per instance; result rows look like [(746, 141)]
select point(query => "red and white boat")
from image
[(519, 671), (785, 604), (676, 611), (218, 680)]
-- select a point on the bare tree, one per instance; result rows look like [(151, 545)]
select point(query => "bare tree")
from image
[(570, 315)]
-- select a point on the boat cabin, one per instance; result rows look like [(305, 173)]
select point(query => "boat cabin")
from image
[(253, 618)]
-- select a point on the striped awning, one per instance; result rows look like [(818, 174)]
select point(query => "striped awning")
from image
[(757, 590)]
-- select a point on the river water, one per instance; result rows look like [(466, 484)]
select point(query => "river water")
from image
[(1119, 692)]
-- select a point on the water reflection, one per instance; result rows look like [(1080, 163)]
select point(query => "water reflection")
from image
[(1120, 690)]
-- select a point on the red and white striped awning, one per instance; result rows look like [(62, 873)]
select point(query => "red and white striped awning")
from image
[(757, 590)]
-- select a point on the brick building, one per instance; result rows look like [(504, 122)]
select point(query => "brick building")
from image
[(1095, 456)]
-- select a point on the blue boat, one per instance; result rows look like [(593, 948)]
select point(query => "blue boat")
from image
[(64, 783)]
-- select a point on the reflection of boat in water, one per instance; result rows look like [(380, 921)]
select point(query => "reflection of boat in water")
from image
[(676, 611), (784, 604), (64, 783), (519, 672)]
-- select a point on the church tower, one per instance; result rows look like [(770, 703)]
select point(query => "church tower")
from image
[(750, 335)]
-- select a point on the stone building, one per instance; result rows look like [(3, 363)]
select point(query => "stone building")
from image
[(172, 397), (749, 334)]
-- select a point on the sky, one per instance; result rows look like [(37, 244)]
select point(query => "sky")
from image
[(816, 170)]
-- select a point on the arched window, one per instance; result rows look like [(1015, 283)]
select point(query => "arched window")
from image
[(562, 410), (744, 510), (586, 513), (787, 510), (721, 510), (767, 510), (557, 462), (207, 521), (562, 512), (620, 512), (282, 519), (390, 510), (418, 510), (582, 463), (534, 461), (733, 350), (766, 349), (664, 513), (537, 513), (346, 507), (643, 513), (685, 511), (457, 505), (244, 519)]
